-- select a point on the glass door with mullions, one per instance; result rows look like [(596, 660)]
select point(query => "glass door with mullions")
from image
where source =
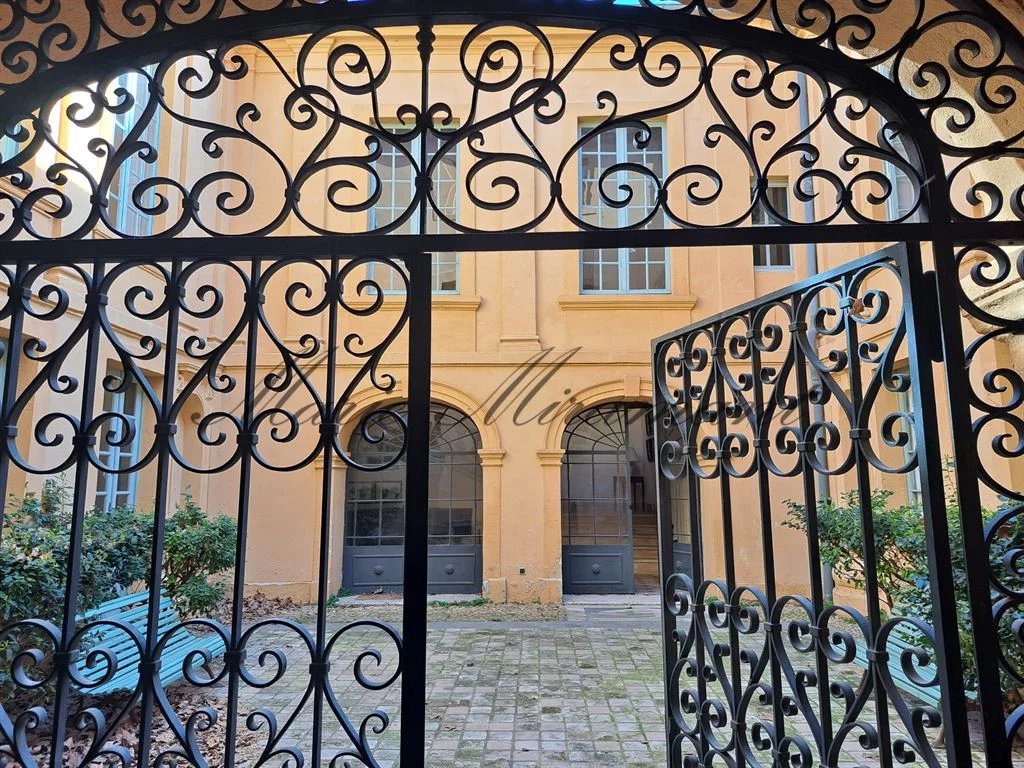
[(375, 501), (603, 460)]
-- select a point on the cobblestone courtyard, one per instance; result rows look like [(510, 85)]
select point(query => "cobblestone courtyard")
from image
[(514, 695), (581, 690)]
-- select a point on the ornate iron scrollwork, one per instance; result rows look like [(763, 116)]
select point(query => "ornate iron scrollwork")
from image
[(271, 419), (927, 90), (955, 91), (769, 676)]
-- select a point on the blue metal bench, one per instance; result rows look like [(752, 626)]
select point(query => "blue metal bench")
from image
[(897, 644), (133, 610)]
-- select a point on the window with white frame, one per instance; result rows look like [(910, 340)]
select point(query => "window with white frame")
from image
[(124, 214), (119, 446), (905, 403), (624, 270), (779, 255), (903, 197), (397, 173)]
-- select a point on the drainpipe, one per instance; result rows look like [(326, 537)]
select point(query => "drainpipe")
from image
[(828, 582)]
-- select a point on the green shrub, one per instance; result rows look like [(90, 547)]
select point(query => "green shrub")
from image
[(197, 548), (34, 553), (902, 566), (115, 555), (899, 533)]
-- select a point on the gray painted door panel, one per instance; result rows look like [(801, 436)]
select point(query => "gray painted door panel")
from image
[(589, 570), (456, 569)]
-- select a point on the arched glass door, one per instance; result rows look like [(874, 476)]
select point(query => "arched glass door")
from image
[(375, 505), (609, 533)]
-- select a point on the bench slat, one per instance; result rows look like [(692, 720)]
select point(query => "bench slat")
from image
[(170, 669), (133, 610), (930, 695)]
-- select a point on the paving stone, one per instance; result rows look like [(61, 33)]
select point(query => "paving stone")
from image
[(507, 696)]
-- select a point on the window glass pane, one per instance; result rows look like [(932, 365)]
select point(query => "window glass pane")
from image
[(638, 277), (680, 511), (397, 171), (367, 521), (456, 481), (463, 521), (608, 155), (464, 482), (119, 443), (609, 277), (446, 273), (777, 197), (657, 277), (392, 521), (437, 521)]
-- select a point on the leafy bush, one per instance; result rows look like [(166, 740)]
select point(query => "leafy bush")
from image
[(197, 548), (34, 550), (903, 569), (899, 536)]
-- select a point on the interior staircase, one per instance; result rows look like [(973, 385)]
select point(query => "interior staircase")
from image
[(645, 548)]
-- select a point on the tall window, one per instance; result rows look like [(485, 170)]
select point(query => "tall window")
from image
[(779, 256), (906, 405), (375, 500), (903, 197), (119, 446), (625, 270), (398, 190), (124, 214)]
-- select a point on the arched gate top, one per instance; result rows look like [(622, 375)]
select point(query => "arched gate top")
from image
[(928, 88)]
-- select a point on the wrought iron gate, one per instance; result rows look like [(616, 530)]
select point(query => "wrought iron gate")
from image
[(798, 410), (921, 98), (291, 391)]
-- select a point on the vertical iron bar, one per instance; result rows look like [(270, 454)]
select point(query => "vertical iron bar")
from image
[(859, 433), (416, 552), (329, 428), (948, 657), (425, 38), (719, 353), (236, 654), (810, 492), (149, 665), (64, 657), (18, 295), (761, 443), (976, 553), (697, 613), (417, 467), (628, 533), (666, 556)]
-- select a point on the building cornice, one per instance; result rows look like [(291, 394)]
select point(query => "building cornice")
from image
[(398, 302), (628, 302)]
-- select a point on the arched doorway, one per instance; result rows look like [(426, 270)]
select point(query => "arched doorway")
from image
[(609, 502), (375, 504)]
